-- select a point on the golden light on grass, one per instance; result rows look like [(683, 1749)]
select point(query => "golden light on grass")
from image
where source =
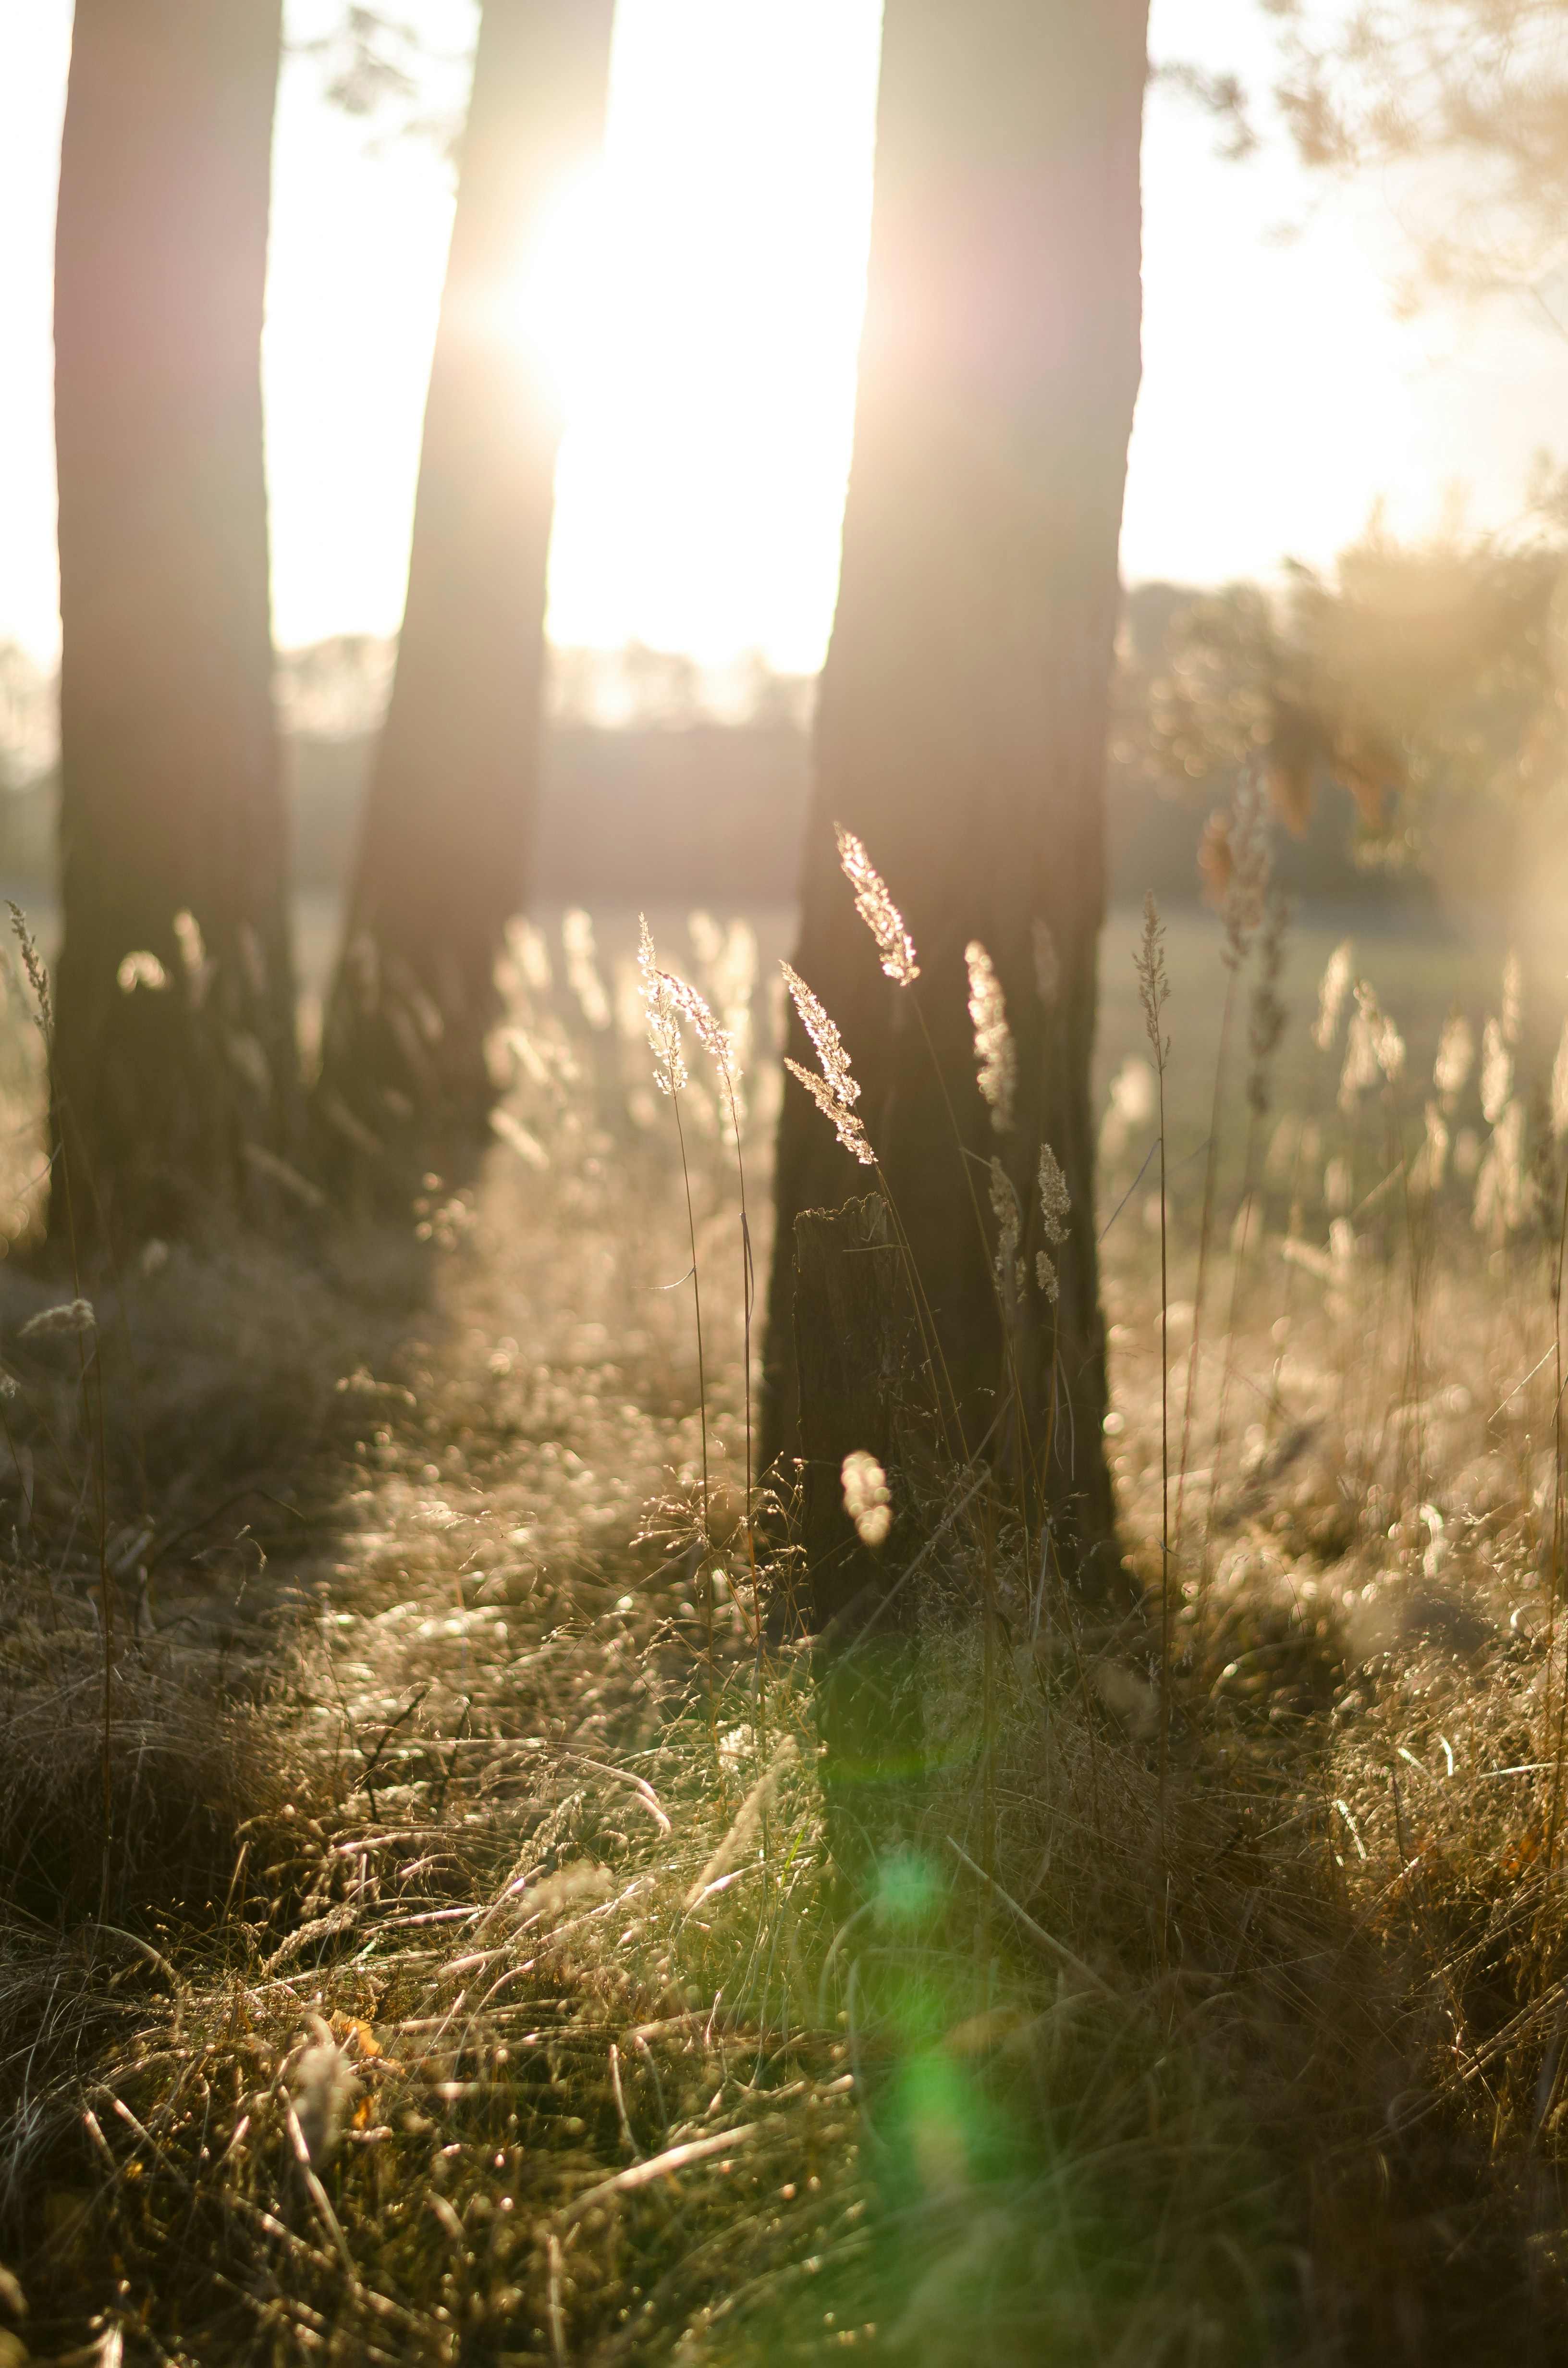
[(515, 1846)]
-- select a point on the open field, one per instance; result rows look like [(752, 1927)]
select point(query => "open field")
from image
[(462, 1979)]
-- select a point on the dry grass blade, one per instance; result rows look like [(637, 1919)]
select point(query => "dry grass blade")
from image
[(748, 1820), (1054, 1949), (659, 2165), (639, 1784), (318, 2194)]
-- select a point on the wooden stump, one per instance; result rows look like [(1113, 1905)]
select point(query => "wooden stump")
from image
[(857, 1357)]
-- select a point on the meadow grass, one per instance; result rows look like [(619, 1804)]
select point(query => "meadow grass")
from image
[(470, 1984)]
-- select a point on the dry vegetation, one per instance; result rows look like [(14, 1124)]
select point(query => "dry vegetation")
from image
[(463, 1978)]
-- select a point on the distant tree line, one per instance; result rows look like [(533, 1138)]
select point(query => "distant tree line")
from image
[(1394, 698)]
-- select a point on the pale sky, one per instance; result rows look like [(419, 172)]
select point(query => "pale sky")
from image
[(702, 304)]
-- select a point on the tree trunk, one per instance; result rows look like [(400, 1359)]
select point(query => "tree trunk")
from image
[(442, 860), (856, 1355), (962, 722), (170, 799)]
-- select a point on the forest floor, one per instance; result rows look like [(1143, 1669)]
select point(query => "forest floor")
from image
[(415, 1936)]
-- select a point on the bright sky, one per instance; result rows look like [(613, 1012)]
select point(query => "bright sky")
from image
[(704, 313)]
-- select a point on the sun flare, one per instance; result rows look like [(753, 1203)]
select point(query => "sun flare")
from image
[(697, 302), (554, 306)]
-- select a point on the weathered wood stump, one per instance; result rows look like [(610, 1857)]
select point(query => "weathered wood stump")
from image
[(857, 1357)]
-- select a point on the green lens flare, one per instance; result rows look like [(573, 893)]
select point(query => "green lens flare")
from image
[(909, 1890)]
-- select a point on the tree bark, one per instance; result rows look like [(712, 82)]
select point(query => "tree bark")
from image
[(170, 799), (442, 860), (856, 1358), (961, 721)]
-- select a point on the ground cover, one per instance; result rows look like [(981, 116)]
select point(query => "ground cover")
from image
[(463, 1978)]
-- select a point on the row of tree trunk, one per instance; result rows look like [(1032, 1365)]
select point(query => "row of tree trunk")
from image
[(178, 1077), (442, 863), (962, 715), (172, 843)]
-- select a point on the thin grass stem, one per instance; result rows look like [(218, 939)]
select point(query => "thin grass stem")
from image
[(1209, 1177)]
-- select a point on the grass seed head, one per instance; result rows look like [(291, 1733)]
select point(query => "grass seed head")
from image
[(1333, 991), (715, 1041), (866, 1498), (826, 1042), (996, 1054), (1154, 980), (1437, 1148), (847, 1126), (1055, 1200), (1456, 1058), (1502, 1190), (664, 1016), (141, 969), (1364, 1059), (1266, 1018), (1009, 1225), (321, 2088), (1232, 861), (877, 909), (33, 963), (71, 1316), (1383, 1043), (1055, 1208), (835, 1091), (198, 969), (1497, 1072)]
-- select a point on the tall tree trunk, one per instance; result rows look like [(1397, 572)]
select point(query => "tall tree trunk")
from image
[(855, 1349), (962, 722), (170, 799), (442, 861)]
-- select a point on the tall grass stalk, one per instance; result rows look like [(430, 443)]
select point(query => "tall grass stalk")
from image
[(718, 1045), (663, 1012), (1205, 1230), (1416, 1229), (1235, 859), (1221, 1419), (697, 1303), (716, 1042), (1266, 1026), (1154, 986)]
